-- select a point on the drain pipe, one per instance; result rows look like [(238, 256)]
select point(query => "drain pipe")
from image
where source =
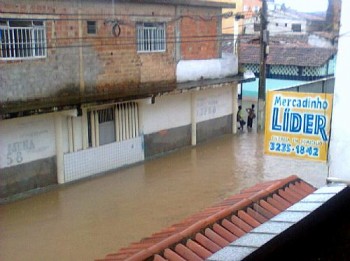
[(338, 180), (59, 148)]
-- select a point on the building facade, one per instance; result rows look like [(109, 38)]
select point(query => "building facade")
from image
[(90, 86), (290, 57)]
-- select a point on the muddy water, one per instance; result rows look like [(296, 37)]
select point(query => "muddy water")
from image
[(87, 220)]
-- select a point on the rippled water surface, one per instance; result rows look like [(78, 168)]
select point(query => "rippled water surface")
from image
[(89, 219)]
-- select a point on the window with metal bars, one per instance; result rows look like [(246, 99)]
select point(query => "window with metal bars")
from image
[(112, 123), (151, 37), (22, 39)]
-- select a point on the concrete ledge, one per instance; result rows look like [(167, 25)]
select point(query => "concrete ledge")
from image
[(245, 246)]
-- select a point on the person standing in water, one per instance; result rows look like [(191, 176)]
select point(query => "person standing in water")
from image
[(240, 118), (251, 117)]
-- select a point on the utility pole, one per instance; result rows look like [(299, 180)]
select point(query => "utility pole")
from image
[(262, 68)]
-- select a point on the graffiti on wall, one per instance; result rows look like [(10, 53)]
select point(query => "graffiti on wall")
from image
[(25, 140)]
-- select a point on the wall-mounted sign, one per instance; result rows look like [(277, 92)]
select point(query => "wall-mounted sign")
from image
[(298, 124)]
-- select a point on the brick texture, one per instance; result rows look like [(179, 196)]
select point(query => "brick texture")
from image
[(107, 63), (199, 33)]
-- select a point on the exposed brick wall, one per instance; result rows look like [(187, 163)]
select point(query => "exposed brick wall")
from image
[(108, 63), (199, 33)]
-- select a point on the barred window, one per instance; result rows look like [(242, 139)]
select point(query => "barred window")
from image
[(22, 39), (151, 37), (112, 123)]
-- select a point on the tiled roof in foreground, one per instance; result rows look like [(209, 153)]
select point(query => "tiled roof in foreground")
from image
[(207, 232)]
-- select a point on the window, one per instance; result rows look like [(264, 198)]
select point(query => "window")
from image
[(296, 27), (151, 37), (20, 39), (112, 123), (91, 27)]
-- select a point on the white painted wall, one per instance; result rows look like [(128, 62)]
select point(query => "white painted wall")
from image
[(317, 41), (172, 111), (214, 103), (194, 70), (169, 111), (26, 139), (340, 140)]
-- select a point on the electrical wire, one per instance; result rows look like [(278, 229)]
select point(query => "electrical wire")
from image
[(117, 31)]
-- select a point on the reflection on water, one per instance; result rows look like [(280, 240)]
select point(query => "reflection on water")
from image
[(87, 220)]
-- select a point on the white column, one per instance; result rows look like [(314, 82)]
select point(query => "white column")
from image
[(85, 129), (59, 148), (234, 108), (70, 134), (339, 153), (93, 125), (193, 118)]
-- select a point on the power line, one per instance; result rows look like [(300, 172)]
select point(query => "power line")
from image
[(103, 17), (127, 43)]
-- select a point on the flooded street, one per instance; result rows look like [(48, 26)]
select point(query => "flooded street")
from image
[(89, 219)]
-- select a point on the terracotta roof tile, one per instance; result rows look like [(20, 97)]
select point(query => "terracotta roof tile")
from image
[(232, 228), (263, 211), (297, 189), (223, 232), (275, 203), (205, 233), (159, 258), (288, 196), (216, 238), (256, 215), (248, 219), (198, 249), (269, 207), (241, 224), (207, 243), (308, 188), (282, 201), (287, 55), (187, 253), (171, 255)]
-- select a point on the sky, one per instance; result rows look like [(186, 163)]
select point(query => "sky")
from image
[(305, 5)]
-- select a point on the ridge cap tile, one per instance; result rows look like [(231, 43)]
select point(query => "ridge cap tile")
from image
[(237, 210)]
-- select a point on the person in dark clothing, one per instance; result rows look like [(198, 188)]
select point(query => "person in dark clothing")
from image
[(251, 117)]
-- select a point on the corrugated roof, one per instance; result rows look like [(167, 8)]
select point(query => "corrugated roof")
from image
[(286, 55), (205, 233)]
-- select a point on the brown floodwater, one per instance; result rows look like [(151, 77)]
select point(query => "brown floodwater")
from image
[(88, 219)]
